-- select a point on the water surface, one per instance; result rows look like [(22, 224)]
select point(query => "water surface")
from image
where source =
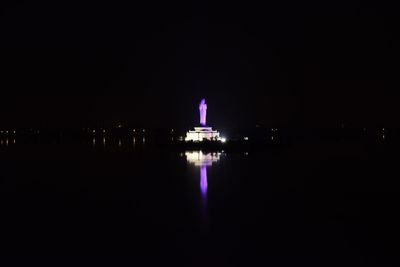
[(126, 202)]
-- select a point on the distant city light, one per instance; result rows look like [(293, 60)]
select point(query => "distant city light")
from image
[(246, 138), (223, 140), (94, 131)]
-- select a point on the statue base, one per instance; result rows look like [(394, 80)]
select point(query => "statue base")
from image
[(202, 133)]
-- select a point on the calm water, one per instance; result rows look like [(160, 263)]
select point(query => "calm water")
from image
[(128, 203)]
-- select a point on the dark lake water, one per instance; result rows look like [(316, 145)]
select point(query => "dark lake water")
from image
[(125, 203)]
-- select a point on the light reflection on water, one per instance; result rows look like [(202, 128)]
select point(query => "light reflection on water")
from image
[(6, 142), (108, 142), (203, 180), (203, 160)]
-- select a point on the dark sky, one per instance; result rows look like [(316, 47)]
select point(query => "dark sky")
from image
[(290, 63)]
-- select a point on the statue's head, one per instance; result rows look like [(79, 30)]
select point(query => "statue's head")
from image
[(203, 102)]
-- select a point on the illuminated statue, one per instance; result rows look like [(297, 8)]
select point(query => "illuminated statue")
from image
[(203, 132), (203, 112)]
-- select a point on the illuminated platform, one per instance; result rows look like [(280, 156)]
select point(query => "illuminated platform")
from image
[(202, 133)]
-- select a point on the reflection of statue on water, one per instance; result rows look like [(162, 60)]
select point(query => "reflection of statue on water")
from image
[(203, 181), (199, 159), (203, 112)]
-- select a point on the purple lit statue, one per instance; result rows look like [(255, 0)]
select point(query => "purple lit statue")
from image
[(203, 112)]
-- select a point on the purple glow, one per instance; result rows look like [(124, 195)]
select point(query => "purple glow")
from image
[(203, 112), (204, 189), (203, 181)]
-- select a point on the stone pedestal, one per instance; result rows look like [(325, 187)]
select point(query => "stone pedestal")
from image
[(202, 133)]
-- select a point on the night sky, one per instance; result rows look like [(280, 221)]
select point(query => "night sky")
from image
[(284, 63)]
